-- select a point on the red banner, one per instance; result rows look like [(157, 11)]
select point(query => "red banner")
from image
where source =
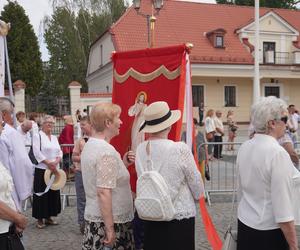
[(157, 74), (140, 78)]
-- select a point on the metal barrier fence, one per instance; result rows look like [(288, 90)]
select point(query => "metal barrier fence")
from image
[(222, 170)]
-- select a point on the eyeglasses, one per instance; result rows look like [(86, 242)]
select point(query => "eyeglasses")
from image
[(284, 119)]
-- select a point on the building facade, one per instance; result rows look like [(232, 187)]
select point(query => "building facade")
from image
[(223, 53)]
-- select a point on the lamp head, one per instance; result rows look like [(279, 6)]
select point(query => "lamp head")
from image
[(158, 4), (137, 4)]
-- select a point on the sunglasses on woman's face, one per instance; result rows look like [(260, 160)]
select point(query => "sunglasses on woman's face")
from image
[(284, 119)]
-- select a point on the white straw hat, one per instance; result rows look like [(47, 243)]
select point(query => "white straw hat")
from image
[(158, 117), (59, 181)]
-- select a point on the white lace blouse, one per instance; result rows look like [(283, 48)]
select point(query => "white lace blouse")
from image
[(179, 171), (101, 166), (6, 188)]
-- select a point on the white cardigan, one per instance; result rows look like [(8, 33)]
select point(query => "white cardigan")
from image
[(179, 171), (6, 188)]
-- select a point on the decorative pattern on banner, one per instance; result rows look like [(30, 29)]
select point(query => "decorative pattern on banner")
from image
[(147, 77), (2, 66)]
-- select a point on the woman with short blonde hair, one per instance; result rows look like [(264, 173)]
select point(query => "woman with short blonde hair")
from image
[(103, 112), (109, 209)]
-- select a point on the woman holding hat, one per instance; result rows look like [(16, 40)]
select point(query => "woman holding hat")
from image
[(177, 167), (109, 208), (48, 155)]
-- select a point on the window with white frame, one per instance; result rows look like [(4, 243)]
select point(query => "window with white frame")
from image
[(230, 96), (198, 95), (219, 41)]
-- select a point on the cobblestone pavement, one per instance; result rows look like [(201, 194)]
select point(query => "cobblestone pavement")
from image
[(66, 235)]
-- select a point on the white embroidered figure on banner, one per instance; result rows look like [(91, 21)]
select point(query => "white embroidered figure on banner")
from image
[(137, 110)]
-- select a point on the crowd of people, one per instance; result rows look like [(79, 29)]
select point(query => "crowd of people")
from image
[(161, 214)]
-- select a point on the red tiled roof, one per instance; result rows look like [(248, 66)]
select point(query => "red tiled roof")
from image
[(95, 95), (180, 22)]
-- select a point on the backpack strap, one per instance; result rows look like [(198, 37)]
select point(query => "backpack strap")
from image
[(149, 162)]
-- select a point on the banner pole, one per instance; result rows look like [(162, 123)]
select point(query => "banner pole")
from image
[(11, 94)]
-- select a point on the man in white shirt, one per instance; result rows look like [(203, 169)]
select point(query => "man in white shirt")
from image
[(218, 135), (293, 123), (14, 156), (24, 130)]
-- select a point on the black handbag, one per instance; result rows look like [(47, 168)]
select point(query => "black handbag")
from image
[(14, 239), (31, 154)]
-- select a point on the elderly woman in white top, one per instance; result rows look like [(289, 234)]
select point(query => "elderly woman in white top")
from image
[(109, 208), (8, 211), (265, 190), (48, 155), (178, 168)]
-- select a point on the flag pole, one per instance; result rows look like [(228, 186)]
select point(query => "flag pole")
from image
[(256, 82)]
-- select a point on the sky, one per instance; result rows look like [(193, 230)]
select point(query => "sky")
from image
[(37, 9)]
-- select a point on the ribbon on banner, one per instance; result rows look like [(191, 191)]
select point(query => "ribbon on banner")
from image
[(211, 233), (2, 66)]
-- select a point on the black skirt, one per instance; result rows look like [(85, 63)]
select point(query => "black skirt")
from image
[(170, 235), (250, 239), (48, 204)]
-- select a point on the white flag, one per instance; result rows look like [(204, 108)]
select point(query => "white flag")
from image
[(2, 66)]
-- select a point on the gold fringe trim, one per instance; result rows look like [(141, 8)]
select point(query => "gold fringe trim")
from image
[(170, 75)]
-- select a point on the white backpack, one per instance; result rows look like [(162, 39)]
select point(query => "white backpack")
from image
[(153, 200)]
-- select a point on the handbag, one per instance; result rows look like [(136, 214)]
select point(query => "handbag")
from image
[(31, 154), (206, 172), (230, 241), (233, 128), (14, 239), (209, 136)]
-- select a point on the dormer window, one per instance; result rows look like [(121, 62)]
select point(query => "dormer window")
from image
[(216, 38), (219, 41)]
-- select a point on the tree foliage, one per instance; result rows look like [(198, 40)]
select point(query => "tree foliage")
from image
[(23, 49), (286, 4), (69, 33)]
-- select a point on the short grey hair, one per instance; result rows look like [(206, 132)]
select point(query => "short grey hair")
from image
[(6, 104), (46, 118), (266, 109)]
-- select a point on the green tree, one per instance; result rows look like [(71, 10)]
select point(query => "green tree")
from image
[(23, 49), (69, 33), (287, 4)]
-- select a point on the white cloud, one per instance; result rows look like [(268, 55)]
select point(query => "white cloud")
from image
[(36, 10)]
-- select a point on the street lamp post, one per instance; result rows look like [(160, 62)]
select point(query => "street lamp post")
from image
[(157, 6)]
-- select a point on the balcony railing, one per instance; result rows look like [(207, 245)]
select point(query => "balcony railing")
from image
[(275, 57)]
